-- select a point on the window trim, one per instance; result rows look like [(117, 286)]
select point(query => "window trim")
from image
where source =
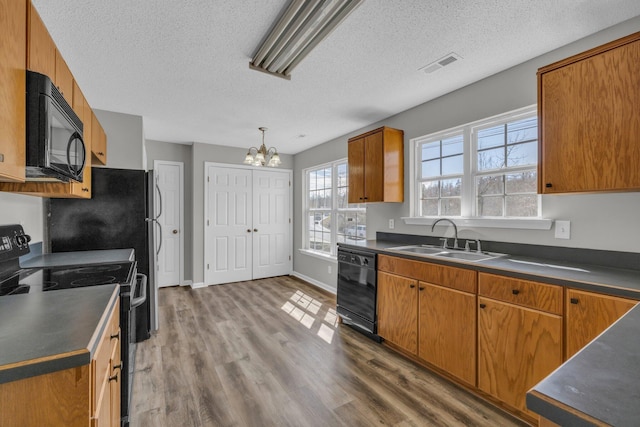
[(305, 249), (468, 210)]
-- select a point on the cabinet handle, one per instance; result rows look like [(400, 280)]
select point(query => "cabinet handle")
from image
[(113, 378), (421, 288), (100, 153), (412, 286), (255, 230), (248, 230), (85, 189), (574, 300), (118, 366), (515, 291), (548, 185), (1, 158), (116, 336), (483, 305)]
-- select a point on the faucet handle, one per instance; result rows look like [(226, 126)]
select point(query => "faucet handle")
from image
[(444, 242), (478, 247)]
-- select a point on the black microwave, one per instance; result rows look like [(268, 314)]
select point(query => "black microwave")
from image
[(55, 150)]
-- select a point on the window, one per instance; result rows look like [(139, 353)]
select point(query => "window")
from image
[(330, 219), (483, 169)]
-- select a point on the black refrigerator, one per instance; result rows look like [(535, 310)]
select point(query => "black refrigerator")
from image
[(119, 215)]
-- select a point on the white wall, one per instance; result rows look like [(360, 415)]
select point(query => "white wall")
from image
[(25, 210), (599, 221)]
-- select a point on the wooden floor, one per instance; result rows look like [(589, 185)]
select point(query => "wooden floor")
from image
[(270, 353)]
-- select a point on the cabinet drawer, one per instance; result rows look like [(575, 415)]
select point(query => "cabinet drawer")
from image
[(536, 295), (451, 277)]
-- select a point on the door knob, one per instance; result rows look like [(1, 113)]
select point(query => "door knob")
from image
[(175, 231), (248, 230), (255, 229)]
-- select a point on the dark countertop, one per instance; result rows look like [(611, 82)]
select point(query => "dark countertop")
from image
[(614, 281), (58, 259), (599, 384), (51, 331)]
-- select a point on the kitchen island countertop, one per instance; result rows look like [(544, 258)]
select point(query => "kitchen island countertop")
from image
[(51, 331)]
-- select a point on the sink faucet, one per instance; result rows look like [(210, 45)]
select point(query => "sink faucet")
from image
[(455, 231)]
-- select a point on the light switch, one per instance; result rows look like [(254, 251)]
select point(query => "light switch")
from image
[(392, 224), (563, 229)]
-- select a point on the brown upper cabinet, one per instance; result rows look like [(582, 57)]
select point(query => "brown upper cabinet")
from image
[(99, 147), (41, 50), (376, 166), (13, 61), (589, 110)]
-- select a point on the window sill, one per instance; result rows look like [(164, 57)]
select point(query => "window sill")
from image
[(513, 223), (319, 255)]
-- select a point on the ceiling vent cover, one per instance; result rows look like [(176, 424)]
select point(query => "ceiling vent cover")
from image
[(440, 63)]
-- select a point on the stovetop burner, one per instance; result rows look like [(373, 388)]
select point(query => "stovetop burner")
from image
[(93, 280), (96, 269)]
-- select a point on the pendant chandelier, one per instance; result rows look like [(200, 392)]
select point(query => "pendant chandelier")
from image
[(261, 156)]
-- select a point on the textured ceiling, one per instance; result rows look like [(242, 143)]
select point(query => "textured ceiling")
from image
[(183, 65)]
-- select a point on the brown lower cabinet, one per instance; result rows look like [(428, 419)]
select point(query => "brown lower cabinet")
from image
[(588, 314), (427, 311), (517, 347), (87, 395)]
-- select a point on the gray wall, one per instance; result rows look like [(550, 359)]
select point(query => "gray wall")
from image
[(158, 150), (125, 139), (25, 210), (599, 221), (218, 154)]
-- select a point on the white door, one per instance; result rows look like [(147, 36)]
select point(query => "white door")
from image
[(228, 227), (271, 224), (169, 178)]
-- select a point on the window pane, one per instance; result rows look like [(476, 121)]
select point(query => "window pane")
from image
[(313, 199), (431, 168), (431, 150), (313, 180), (522, 154), (430, 189), (522, 205), (342, 175), (522, 130), (490, 185), (341, 196), (452, 165), (491, 137), (327, 178), (450, 207), (451, 187), (429, 207), (490, 206), (491, 159), (452, 145), (525, 182)]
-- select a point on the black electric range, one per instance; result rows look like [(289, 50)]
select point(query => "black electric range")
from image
[(15, 280)]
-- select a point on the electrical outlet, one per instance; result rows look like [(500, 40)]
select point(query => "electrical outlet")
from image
[(392, 224), (563, 229), (329, 269)]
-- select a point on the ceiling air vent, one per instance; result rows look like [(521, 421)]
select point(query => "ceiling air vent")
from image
[(442, 62)]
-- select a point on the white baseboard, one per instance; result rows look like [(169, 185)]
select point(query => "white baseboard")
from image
[(314, 282), (187, 283), (198, 285)]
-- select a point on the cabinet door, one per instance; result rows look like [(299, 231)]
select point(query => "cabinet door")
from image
[(398, 311), (447, 330), (355, 150), (374, 168), (517, 347), (115, 384), (98, 142), (82, 189), (64, 79), (13, 21), (590, 123), (41, 48), (588, 314)]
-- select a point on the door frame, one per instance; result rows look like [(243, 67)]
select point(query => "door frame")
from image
[(180, 165), (206, 203)]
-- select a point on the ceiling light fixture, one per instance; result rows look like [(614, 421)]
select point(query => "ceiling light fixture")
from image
[(303, 25), (261, 156)]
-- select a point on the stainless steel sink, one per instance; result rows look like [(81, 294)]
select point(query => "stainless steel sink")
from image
[(419, 249), (434, 251)]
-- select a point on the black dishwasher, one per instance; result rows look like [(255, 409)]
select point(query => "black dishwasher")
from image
[(356, 295)]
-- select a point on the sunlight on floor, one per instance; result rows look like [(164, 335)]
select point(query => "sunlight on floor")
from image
[(302, 308)]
